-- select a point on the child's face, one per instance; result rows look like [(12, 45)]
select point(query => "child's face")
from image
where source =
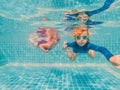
[(82, 39)]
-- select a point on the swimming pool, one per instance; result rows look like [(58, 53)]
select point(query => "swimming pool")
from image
[(25, 67)]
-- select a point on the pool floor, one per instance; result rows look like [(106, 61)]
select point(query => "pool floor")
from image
[(57, 78)]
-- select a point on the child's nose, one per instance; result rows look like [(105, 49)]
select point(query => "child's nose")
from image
[(81, 39)]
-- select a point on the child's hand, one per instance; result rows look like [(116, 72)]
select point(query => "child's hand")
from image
[(115, 60), (64, 45), (91, 53)]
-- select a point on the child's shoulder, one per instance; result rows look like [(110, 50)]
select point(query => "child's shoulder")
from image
[(71, 44)]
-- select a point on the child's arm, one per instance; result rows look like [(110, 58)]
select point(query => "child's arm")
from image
[(114, 59), (101, 49), (70, 54), (32, 41), (43, 48)]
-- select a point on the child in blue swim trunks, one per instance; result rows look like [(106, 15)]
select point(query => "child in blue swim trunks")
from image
[(82, 45)]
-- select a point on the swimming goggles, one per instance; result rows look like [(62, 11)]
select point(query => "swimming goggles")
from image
[(83, 37)]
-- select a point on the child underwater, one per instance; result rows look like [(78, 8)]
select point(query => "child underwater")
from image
[(45, 38), (82, 45)]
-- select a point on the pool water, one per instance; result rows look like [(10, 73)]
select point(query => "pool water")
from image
[(58, 78), (25, 67)]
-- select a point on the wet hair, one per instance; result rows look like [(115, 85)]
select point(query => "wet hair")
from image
[(78, 31)]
